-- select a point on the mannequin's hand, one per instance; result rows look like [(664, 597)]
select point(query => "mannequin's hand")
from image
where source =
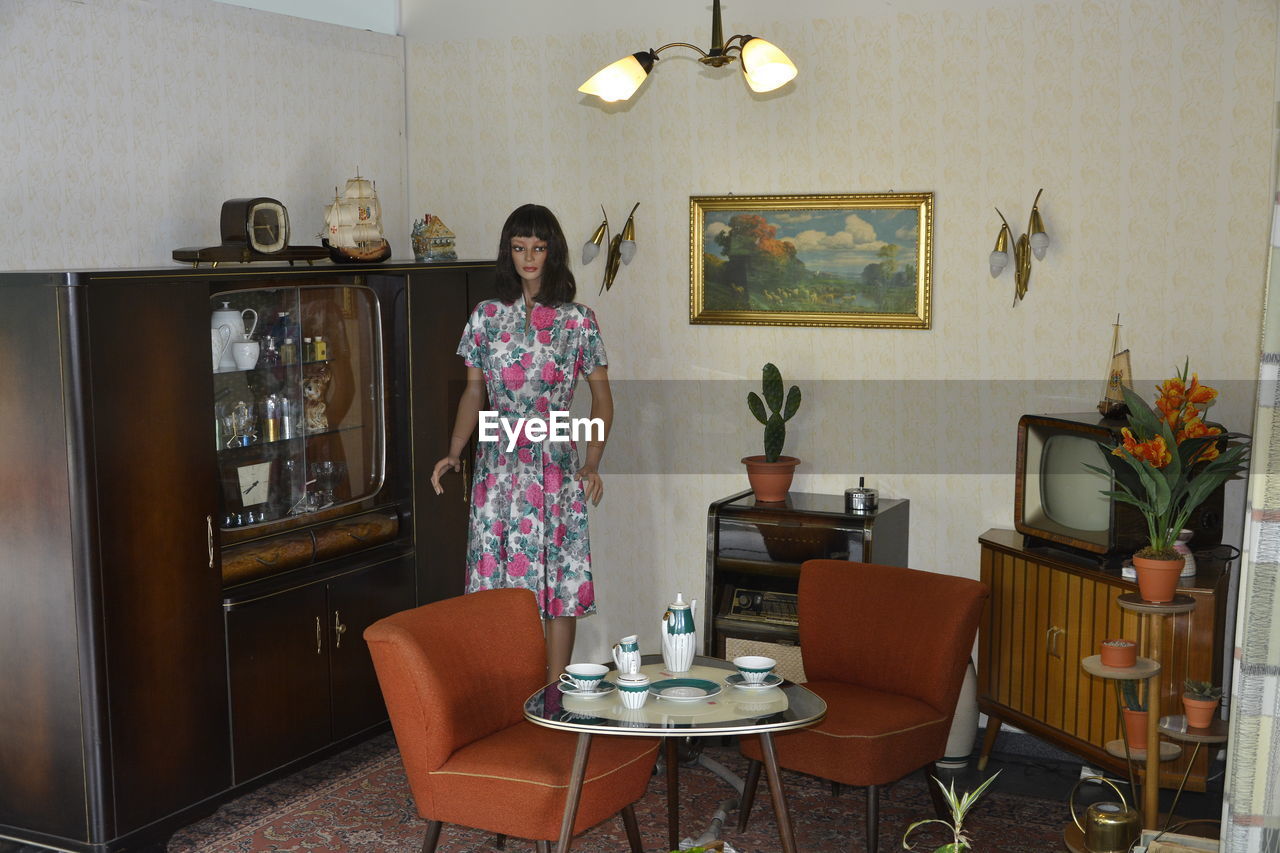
[(592, 483), (446, 464)]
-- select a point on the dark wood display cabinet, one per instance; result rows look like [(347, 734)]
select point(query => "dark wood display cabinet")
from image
[(192, 547)]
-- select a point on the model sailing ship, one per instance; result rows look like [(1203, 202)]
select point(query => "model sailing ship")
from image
[(1119, 377), (354, 224)]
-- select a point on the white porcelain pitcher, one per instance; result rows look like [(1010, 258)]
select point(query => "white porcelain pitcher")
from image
[(235, 320), (679, 634), (626, 654)]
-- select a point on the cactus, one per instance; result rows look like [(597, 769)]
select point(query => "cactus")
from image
[(775, 429), (1129, 689)]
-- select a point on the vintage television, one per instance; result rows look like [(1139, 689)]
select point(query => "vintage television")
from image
[(1058, 502)]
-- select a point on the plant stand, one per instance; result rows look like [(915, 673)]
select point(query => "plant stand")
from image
[(1155, 615), (1145, 669), (1176, 727)]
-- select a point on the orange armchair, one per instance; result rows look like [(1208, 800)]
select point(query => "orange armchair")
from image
[(887, 649), (455, 675)]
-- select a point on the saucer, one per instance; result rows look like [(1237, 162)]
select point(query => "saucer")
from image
[(770, 680), (684, 689), (605, 688)]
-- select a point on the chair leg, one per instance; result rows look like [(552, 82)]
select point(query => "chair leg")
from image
[(835, 789), (873, 819), (633, 829), (433, 837), (542, 847), (935, 793), (500, 841), (748, 794)]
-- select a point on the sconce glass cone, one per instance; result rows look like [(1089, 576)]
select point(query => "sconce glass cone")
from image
[(765, 66), (1039, 239), (1000, 255), (620, 80)]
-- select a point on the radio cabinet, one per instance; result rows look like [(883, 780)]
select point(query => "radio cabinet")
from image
[(754, 553), (1045, 614)]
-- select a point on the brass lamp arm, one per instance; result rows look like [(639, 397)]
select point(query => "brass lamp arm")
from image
[(718, 55)]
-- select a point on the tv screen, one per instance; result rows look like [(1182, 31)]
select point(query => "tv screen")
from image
[(1070, 494)]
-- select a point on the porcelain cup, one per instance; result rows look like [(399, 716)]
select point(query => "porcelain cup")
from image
[(245, 352), (219, 338), (584, 676), (633, 688), (754, 668)]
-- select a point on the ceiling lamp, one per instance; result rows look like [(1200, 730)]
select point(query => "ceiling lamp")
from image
[(764, 66)]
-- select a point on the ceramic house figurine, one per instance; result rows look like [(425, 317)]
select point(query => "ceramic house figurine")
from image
[(432, 240)]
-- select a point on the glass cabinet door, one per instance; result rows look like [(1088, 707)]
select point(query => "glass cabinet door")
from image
[(298, 400)]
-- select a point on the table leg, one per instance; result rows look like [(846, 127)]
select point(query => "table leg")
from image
[(785, 833), (574, 794), (1151, 785), (673, 792), (1181, 785)]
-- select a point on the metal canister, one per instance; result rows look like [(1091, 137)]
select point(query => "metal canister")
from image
[(859, 499)]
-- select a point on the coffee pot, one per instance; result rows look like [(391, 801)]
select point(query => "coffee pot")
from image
[(1108, 827), (679, 634), (234, 319)]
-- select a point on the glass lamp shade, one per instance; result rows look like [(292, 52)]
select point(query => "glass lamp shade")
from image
[(589, 252), (627, 250), (1039, 244), (765, 66), (999, 260), (619, 81)]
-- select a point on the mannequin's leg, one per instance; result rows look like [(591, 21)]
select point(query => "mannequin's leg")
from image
[(560, 635)]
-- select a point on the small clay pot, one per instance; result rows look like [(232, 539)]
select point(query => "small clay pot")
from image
[(1119, 653), (1135, 728), (1200, 712)]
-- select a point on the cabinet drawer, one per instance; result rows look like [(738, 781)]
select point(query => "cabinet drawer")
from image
[(251, 560), (356, 533)]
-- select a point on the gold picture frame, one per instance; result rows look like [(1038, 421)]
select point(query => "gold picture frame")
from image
[(857, 260)]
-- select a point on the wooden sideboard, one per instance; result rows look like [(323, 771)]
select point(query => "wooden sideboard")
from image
[(1047, 612)]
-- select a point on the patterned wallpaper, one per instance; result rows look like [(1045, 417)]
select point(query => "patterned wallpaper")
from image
[(127, 123), (1147, 123)]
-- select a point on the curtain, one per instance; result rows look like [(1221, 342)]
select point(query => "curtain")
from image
[(1251, 805)]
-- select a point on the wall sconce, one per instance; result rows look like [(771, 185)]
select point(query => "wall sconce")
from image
[(621, 248), (1037, 244), (764, 66)]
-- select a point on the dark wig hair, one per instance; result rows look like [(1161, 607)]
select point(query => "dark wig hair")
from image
[(558, 285)]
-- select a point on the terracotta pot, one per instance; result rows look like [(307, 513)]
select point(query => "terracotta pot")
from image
[(1119, 653), (772, 480), (1157, 579), (1135, 728), (1200, 712)]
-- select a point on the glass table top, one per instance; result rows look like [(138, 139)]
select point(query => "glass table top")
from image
[(731, 710)]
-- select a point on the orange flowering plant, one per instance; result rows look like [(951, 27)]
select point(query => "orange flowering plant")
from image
[(1170, 459)]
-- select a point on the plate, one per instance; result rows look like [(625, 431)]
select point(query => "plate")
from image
[(605, 688), (684, 689), (770, 680)]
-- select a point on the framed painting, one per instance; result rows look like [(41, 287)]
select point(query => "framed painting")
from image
[(863, 260)]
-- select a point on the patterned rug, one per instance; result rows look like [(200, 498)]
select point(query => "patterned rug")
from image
[(360, 801)]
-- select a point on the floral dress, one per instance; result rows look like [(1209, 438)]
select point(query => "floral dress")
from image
[(528, 515)]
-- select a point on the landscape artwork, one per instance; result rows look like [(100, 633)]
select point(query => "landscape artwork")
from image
[(817, 260)]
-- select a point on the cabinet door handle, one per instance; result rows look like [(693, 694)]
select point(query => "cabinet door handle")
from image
[(1051, 637), (338, 629), (208, 524), (319, 637)]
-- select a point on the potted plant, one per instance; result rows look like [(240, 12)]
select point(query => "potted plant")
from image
[(1135, 713), (1169, 461), (1200, 702), (958, 806), (770, 475)]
